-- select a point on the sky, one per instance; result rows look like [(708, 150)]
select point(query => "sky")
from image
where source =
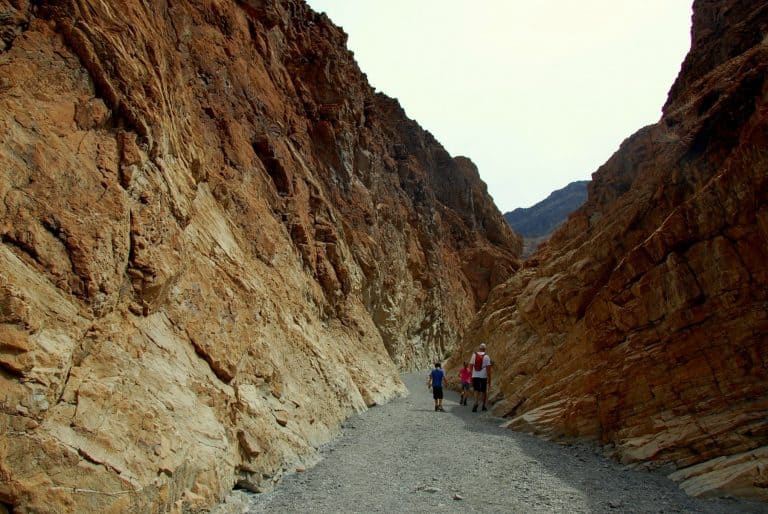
[(538, 93)]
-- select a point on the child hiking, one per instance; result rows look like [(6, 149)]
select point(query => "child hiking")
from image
[(465, 375), (436, 383)]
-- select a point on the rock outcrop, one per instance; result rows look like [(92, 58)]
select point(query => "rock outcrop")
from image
[(643, 322), (536, 223), (217, 243)]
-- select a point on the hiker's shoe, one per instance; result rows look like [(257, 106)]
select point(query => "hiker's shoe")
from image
[(474, 409), (437, 408), (484, 408)]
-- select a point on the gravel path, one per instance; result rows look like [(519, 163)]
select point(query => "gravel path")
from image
[(405, 457)]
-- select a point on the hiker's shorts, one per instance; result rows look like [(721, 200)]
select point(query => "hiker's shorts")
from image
[(437, 393), (479, 384), (465, 386)]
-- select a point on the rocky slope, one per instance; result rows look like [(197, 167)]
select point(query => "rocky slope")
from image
[(536, 223), (643, 322), (217, 243)]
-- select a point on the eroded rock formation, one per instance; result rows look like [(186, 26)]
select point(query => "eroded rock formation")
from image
[(217, 242), (643, 322)]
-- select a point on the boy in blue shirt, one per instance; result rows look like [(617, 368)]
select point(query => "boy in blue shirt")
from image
[(436, 383)]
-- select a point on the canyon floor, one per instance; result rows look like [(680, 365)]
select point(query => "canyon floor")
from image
[(405, 457)]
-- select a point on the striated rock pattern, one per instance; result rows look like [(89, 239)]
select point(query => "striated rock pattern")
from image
[(643, 322), (217, 243)]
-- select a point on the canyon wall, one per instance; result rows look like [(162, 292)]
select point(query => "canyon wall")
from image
[(643, 322), (217, 242)]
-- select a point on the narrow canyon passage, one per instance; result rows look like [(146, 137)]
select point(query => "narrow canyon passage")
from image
[(405, 457)]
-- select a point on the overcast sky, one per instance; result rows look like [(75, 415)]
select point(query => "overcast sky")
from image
[(537, 93)]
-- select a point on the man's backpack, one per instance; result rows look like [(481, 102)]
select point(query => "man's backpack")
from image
[(479, 361)]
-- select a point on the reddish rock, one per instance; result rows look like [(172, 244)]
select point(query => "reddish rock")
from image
[(643, 322)]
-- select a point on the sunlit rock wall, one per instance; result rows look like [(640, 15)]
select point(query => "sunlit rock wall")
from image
[(217, 243)]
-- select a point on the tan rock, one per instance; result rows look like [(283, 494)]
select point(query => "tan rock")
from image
[(217, 243)]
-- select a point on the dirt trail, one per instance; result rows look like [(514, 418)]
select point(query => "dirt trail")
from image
[(405, 457)]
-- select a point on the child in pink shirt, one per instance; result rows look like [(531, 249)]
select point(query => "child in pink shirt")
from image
[(465, 375)]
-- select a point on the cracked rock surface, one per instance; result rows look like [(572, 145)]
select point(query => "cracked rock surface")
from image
[(209, 220)]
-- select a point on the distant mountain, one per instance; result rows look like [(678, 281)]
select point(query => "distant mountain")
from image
[(537, 223)]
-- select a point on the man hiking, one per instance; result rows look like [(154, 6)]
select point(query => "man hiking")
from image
[(481, 375)]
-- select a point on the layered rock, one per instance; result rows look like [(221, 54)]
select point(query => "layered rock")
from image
[(217, 242), (643, 322)]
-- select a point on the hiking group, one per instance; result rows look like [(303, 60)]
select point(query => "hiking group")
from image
[(476, 372)]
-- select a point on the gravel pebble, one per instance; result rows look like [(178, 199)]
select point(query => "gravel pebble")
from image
[(388, 457)]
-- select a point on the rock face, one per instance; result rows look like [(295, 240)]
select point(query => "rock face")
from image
[(537, 223), (217, 243), (643, 322)]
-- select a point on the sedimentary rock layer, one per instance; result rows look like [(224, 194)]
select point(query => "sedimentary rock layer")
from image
[(217, 242), (643, 322)]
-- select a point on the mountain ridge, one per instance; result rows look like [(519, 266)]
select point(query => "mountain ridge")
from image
[(536, 223)]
